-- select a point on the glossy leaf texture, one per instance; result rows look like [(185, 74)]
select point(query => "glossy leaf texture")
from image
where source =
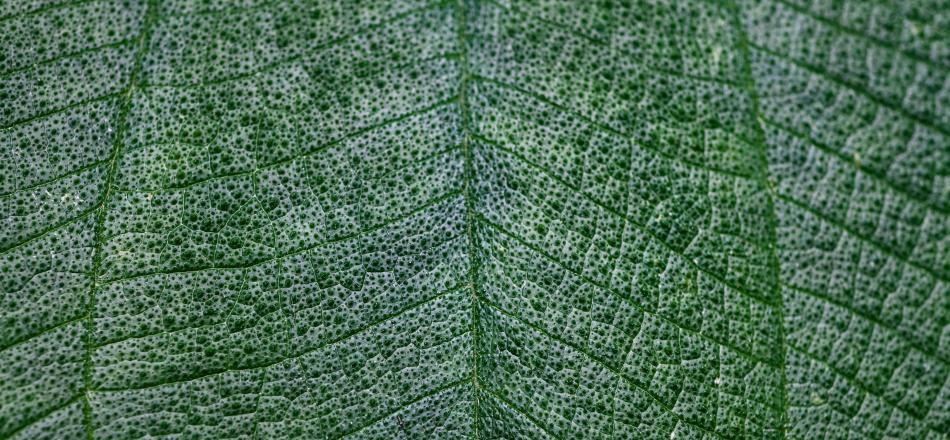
[(489, 219)]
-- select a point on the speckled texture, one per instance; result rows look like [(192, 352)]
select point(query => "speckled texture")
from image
[(489, 219)]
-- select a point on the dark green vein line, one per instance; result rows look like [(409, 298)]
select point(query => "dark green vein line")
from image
[(748, 82), (594, 40), (56, 179), (853, 434), (36, 419), (282, 310), (899, 256), (364, 74), (928, 352), (142, 46), (215, 324), (313, 51), (428, 204), (46, 8), (869, 38), (30, 337), (607, 129), (895, 8), (51, 271), (534, 421), (746, 240), (461, 18), (63, 109), (172, 331), (856, 88), (643, 228), (403, 406), (51, 229), (741, 352), (877, 176), (721, 343), (861, 387), (316, 150), (639, 307), (597, 360), (75, 54), (239, 10), (341, 338)]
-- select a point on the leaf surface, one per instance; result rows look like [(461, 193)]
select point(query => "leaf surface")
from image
[(475, 218)]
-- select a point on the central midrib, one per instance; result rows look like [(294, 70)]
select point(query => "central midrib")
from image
[(141, 47), (748, 83), (470, 216), (469, 178)]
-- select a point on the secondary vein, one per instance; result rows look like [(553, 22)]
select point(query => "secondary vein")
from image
[(748, 83), (468, 175), (141, 47)]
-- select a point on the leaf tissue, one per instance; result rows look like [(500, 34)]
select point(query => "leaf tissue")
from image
[(486, 219)]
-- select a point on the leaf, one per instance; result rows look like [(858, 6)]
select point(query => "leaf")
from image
[(487, 219)]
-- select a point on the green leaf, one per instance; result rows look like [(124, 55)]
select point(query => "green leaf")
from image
[(654, 219)]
